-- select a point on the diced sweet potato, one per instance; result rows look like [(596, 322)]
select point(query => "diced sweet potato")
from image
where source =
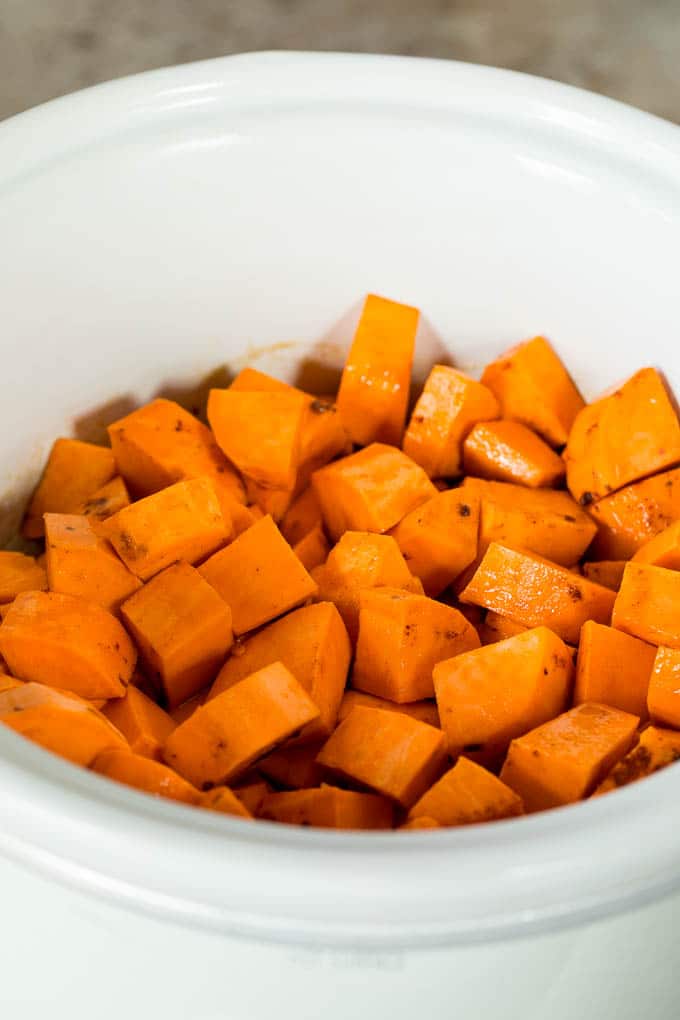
[(251, 795), (182, 712), (498, 628), (313, 549), (657, 749), (328, 807), (663, 694), (371, 490), (144, 774), (663, 550), (439, 538), (74, 471), (537, 593), (489, 696), (303, 516), (259, 576), (224, 800), (7, 682), (449, 406), (292, 767), (66, 642), (390, 752), (423, 711), (105, 502), (226, 735), (465, 795), (563, 760), (629, 433), (613, 668), (401, 638), (508, 451), (243, 517), (647, 604), (18, 573), (182, 629), (534, 388), (630, 517), (608, 573), (144, 725), (421, 822), (375, 384)]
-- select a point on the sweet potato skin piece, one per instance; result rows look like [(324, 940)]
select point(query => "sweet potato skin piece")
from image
[(144, 725), (489, 696), (608, 573), (657, 748), (66, 642), (390, 752), (311, 642), (371, 490), (182, 629), (73, 472), (508, 451), (423, 711), (465, 795), (439, 538), (534, 388), (259, 576), (449, 406), (329, 807), (647, 604), (565, 759), (613, 668), (224, 800), (144, 774), (630, 517), (401, 638), (537, 593), (663, 699), (375, 384), (18, 573), (226, 735), (626, 435)]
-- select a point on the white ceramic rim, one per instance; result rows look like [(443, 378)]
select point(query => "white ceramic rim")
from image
[(359, 889)]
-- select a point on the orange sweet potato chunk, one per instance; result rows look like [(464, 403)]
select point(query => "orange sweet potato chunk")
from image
[(144, 774), (402, 637), (465, 795), (657, 749), (293, 767), (628, 434), (663, 695), (224, 800), (421, 822), (371, 490), (376, 380), (630, 517), (498, 628), (74, 471), (534, 388), (563, 760), (259, 576), (488, 696), (18, 573), (423, 711), (449, 406), (66, 642), (647, 604), (313, 549), (105, 502), (312, 643), (663, 550), (182, 629), (439, 539), (613, 668), (608, 573), (535, 592), (508, 451), (81, 563), (328, 807), (226, 735), (251, 795), (182, 522), (303, 516), (145, 726), (390, 752)]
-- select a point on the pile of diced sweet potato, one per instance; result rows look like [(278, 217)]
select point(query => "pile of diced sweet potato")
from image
[(327, 611)]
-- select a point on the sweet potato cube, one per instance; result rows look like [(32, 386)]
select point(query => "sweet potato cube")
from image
[(105, 502), (18, 573), (663, 550), (73, 472), (8, 683), (182, 629), (508, 451), (534, 388), (663, 694), (303, 516), (144, 725), (63, 641), (313, 549), (563, 760), (60, 722), (182, 712), (80, 562), (627, 434), (423, 711), (401, 638), (498, 628), (488, 696), (224, 800), (182, 522), (613, 668), (259, 576), (630, 517), (421, 822), (226, 735), (329, 807), (535, 592), (390, 752), (161, 443), (370, 490), (449, 406), (251, 795), (465, 795), (375, 385), (292, 767), (608, 573), (439, 538), (647, 604), (144, 774), (312, 643), (657, 749)]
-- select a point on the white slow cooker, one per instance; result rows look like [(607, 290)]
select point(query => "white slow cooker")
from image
[(156, 228)]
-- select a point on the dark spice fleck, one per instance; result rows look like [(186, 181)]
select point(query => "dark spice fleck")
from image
[(473, 747), (178, 426), (320, 406), (586, 499), (464, 510), (575, 593), (568, 517)]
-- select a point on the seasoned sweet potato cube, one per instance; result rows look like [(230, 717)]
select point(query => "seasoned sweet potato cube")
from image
[(508, 451), (663, 694), (450, 404), (421, 822), (144, 774), (647, 604), (18, 573), (313, 549), (182, 629), (657, 749), (224, 800), (498, 628), (630, 517), (663, 550), (144, 725), (66, 642), (105, 502), (613, 668), (423, 711), (303, 516), (608, 573), (465, 795), (251, 794), (329, 807), (74, 471), (293, 767)]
